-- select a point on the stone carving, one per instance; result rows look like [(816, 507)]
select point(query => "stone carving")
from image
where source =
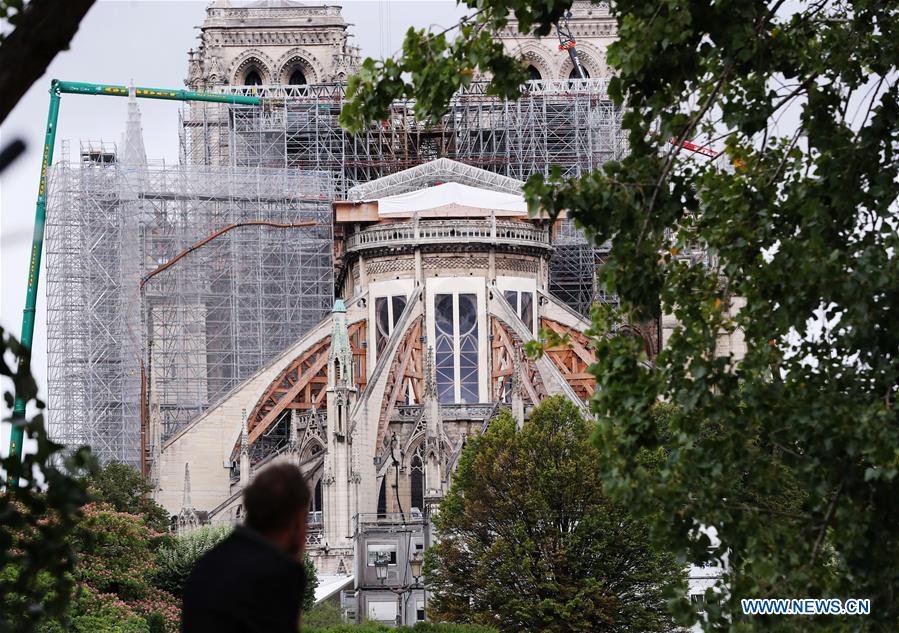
[(445, 263), (398, 264), (518, 265)]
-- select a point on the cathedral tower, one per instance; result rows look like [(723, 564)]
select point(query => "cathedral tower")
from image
[(271, 42)]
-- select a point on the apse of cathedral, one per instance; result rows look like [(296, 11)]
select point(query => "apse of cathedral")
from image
[(440, 276)]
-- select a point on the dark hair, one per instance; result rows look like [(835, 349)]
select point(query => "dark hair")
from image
[(275, 497)]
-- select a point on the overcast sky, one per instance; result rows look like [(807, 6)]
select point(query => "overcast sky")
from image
[(145, 42)]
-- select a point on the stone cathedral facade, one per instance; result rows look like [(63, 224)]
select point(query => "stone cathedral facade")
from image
[(294, 43)]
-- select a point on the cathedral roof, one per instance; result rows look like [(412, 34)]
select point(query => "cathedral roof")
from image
[(275, 4), (452, 199), (435, 172), (260, 4)]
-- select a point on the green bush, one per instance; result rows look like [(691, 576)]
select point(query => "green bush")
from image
[(176, 560), (124, 488), (445, 627), (322, 616)]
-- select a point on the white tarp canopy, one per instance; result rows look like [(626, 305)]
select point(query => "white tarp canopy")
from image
[(330, 585), (452, 198)]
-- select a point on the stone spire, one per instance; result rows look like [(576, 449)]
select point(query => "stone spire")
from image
[(430, 374), (341, 356), (185, 499), (516, 388), (434, 458), (188, 519), (293, 443), (133, 152), (340, 486), (430, 403)]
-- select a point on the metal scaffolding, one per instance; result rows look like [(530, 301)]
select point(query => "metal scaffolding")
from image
[(195, 329), (571, 124), (125, 355), (572, 269)]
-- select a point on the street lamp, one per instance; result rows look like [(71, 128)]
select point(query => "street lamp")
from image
[(415, 563)]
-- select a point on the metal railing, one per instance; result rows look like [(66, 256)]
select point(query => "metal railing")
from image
[(337, 91), (373, 519)]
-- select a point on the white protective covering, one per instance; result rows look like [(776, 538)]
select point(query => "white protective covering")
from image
[(452, 199), (328, 586)]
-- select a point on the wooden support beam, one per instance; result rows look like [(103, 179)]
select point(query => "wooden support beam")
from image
[(263, 425), (407, 364), (572, 360)]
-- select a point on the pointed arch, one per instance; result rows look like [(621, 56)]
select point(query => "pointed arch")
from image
[(317, 504), (250, 61), (298, 60), (382, 497), (416, 482), (533, 58), (592, 58)]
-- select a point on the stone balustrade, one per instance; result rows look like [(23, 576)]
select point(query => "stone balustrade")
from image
[(399, 235)]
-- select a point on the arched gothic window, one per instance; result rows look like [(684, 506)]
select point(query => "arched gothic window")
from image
[(297, 78), (417, 483), (534, 74), (317, 498), (573, 74), (387, 313), (382, 498), (456, 329), (252, 78)]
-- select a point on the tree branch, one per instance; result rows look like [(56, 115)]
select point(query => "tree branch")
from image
[(827, 519), (44, 28)]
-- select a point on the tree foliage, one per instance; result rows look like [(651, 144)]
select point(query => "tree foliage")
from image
[(42, 29), (111, 578), (176, 559), (115, 568), (311, 584), (797, 222), (36, 555), (322, 616), (528, 541), (125, 489), (420, 627)]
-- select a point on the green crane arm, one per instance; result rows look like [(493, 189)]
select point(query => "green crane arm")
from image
[(75, 87), (57, 87)]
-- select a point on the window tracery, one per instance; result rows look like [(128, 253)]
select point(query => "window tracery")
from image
[(416, 481), (456, 348), (387, 314)]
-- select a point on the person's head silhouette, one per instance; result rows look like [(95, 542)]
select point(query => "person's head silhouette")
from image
[(275, 505)]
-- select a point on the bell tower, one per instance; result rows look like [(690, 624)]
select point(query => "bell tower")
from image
[(271, 42)]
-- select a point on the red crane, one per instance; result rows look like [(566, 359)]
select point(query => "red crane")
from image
[(568, 43)]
